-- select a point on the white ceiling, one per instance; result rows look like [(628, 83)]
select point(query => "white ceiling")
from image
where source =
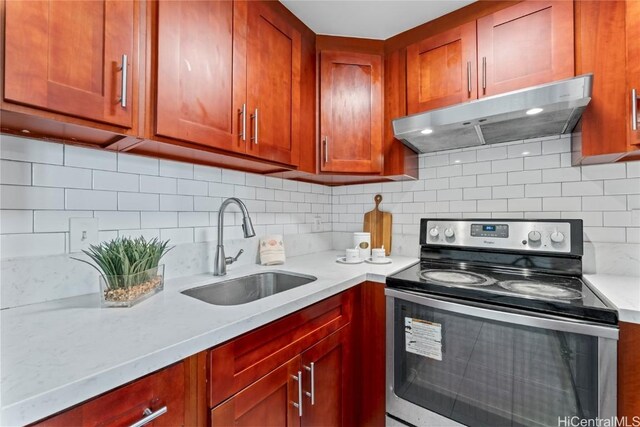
[(372, 19)]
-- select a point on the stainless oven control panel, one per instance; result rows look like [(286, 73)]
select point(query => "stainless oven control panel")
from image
[(551, 236)]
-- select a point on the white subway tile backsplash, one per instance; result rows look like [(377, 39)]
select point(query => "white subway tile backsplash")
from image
[(492, 205), (476, 193), (622, 186), (158, 184), (589, 219), (462, 181), (584, 188), (524, 177), (159, 219), (508, 191), (493, 153), (177, 236), (193, 188), (543, 190), (561, 174), (621, 219), (60, 176), (110, 220), (56, 221), (608, 171), (605, 234), (492, 179), (92, 200), (542, 162), (89, 158), (170, 202), (633, 169), (448, 171), (476, 168), (16, 221), (560, 145), (528, 204), (217, 189), (453, 194), (138, 164), (562, 204), (604, 203), (138, 202), (20, 197), (38, 244), (30, 150), (147, 233), (462, 157), (193, 219), (206, 173), (506, 165), (15, 173), (115, 181), (173, 169), (524, 150)]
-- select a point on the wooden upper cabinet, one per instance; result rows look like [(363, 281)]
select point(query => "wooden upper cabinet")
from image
[(350, 112), (200, 75), (442, 69), (528, 44), (268, 402), (633, 69), (273, 85), (66, 57)]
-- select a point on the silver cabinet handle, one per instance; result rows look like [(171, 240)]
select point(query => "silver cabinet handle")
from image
[(325, 146), (149, 416), (634, 109), (469, 78), (298, 405), (484, 74), (123, 82), (243, 113), (312, 395), (254, 117)]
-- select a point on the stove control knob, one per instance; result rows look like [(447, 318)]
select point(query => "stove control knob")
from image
[(449, 233), (434, 232), (534, 236), (557, 237)]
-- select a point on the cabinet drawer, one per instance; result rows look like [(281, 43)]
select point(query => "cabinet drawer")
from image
[(242, 361), (126, 405)]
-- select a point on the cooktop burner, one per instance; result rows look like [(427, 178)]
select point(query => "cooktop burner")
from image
[(567, 296), (538, 289), (456, 278)]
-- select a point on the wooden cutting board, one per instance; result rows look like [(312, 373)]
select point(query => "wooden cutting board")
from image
[(378, 223)]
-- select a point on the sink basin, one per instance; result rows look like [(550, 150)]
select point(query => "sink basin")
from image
[(242, 290)]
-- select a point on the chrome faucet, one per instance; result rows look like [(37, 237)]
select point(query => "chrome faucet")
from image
[(221, 262)]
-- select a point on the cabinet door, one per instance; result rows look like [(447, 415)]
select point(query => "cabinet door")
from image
[(528, 44), (327, 380), (350, 112), (200, 74), (273, 85), (633, 66), (162, 392), (66, 56), (442, 69), (267, 402)]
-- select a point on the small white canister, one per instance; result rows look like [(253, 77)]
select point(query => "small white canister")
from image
[(362, 242)]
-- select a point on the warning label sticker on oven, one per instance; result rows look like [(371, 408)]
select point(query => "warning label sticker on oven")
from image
[(423, 338)]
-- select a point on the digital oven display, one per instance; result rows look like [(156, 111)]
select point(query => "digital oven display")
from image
[(490, 230)]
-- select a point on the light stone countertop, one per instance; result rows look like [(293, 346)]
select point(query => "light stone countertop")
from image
[(60, 353), (621, 291)]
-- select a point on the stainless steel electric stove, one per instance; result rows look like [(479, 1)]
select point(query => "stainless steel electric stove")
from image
[(495, 326)]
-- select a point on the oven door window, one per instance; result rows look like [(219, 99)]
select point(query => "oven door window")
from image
[(492, 373)]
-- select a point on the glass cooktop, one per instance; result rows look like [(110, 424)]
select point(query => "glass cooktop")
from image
[(555, 294)]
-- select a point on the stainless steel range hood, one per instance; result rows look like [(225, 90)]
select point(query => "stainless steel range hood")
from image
[(499, 118)]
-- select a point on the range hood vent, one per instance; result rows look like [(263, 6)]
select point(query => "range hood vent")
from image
[(500, 118)]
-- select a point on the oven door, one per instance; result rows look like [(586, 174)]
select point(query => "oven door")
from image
[(450, 363)]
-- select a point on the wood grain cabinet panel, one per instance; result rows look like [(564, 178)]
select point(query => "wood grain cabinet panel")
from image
[(66, 57), (268, 402), (629, 370), (350, 112), (327, 372), (442, 69), (633, 68), (273, 85), (126, 405), (200, 74), (528, 44)]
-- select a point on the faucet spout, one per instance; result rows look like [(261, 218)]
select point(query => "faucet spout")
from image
[(220, 266)]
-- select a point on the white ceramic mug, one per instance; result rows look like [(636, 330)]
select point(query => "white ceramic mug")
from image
[(377, 254), (352, 255)]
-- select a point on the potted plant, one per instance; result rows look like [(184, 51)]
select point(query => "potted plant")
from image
[(130, 269)]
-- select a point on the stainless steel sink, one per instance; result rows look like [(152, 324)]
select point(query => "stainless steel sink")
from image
[(242, 290)]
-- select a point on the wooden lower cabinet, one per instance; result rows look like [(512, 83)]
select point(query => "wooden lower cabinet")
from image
[(267, 402), (629, 370), (162, 391)]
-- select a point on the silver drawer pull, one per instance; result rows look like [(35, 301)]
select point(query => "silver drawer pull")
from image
[(298, 405), (123, 82), (312, 395), (254, 116), (243, 113), (149, 416), (469, 78), (634, 109)]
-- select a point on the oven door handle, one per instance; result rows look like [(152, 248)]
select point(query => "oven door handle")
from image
[(502, 314)]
